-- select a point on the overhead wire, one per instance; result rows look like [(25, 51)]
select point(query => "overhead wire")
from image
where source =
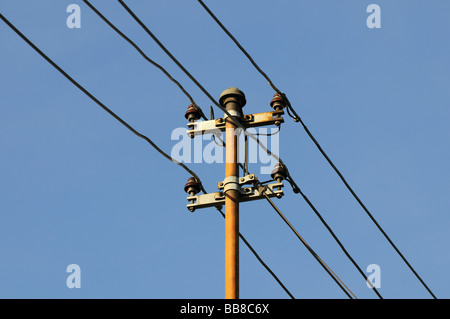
[(145, 56), (239, 45), (103, 106), (311, 205), (128, 126), (339, 242), (297, 118), (330, 272)]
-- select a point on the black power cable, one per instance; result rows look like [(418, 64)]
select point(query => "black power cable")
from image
[(138, 49), (338, 241), (103, 106), (338, 281)]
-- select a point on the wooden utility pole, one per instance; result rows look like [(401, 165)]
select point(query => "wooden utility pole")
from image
[(233, 100)]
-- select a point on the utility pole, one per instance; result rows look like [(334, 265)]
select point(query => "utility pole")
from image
[(232, 187), (233, 100)]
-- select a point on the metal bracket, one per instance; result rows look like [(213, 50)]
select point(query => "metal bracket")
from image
[(262, 119), (249, 120), (247, 194), (204, 127), (241, 181), (231, 182)]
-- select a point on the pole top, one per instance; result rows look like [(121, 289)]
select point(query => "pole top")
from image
[(233, 92)]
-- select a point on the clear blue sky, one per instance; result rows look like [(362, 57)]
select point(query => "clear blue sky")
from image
[(77, 187)]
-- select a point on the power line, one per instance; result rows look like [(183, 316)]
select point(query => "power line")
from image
[(141, 52), (138, 49), (366, 209), (338, 281), (93, 98), (338, 241), (166, 51), (297, 118), (239, 45)]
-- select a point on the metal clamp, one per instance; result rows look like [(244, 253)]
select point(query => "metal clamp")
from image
[(247, 194), (231, 183), (240, 181)]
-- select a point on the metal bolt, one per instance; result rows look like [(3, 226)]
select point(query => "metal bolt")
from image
[(192, 193), (218, 195)]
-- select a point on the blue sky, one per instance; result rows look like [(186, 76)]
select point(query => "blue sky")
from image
[(76, 187)]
